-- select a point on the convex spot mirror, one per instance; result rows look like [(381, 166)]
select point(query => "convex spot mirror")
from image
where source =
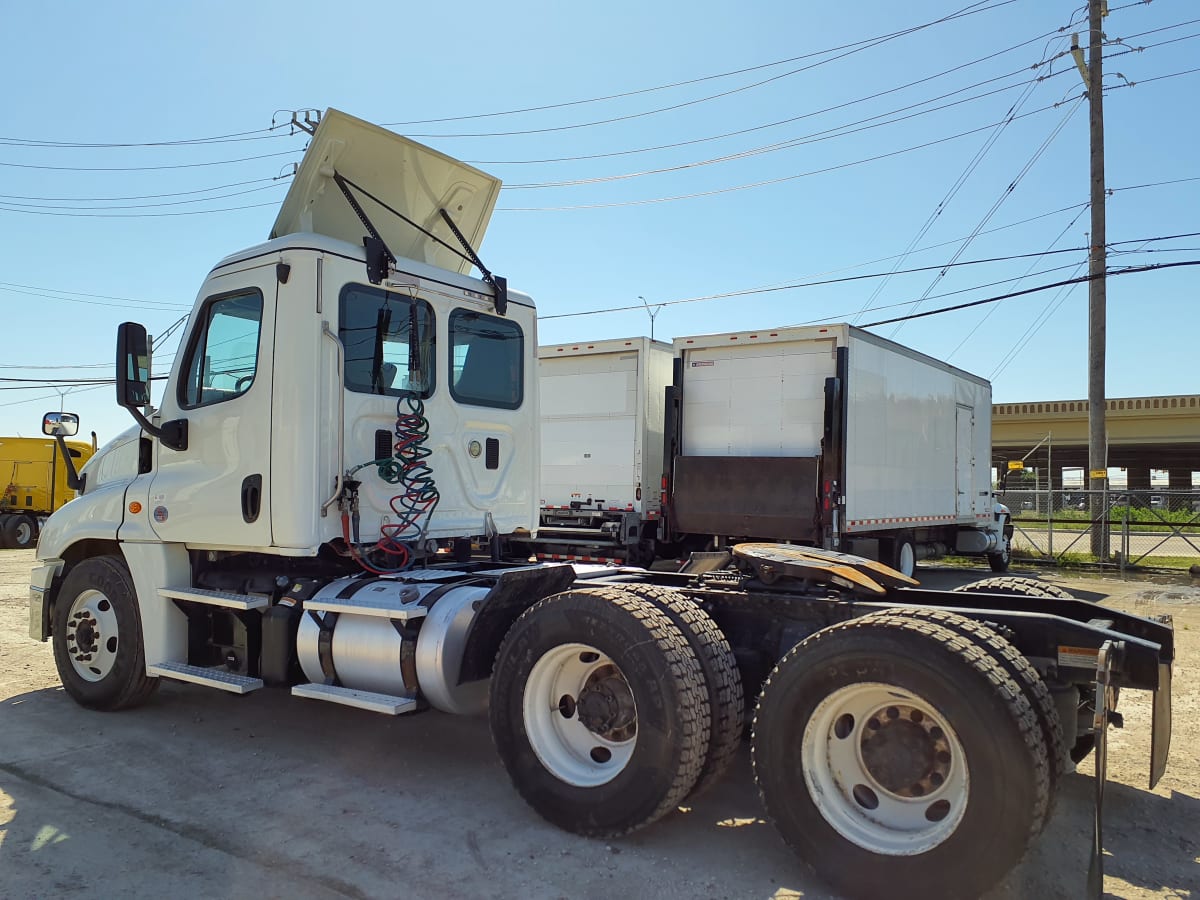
[(56, 423), (133, 365)]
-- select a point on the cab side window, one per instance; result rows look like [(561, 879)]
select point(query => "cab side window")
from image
[(223, 354), (389, 342), (486, 356)]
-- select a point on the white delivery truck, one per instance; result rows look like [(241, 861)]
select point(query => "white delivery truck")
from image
[(830, 436), (351, 416), (602, 420)]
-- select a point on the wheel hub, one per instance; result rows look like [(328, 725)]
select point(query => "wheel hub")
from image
[(91, 635), (905, 751), (605, 705)]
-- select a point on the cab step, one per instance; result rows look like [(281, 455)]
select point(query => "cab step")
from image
[(216, 678), (387, 704), (227, 599)]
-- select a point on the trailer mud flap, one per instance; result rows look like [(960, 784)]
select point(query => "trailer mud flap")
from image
[(764, 497), (1160, 730)]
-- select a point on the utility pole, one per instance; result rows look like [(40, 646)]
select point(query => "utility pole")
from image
[(1097, 266)]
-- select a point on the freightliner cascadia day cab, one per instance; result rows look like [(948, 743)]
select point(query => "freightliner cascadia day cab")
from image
[(348, 440), (34, 482)]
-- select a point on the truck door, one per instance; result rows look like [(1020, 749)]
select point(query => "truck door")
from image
[(964, 459), (217, 490)]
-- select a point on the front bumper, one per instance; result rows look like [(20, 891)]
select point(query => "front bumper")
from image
[(41, 580)]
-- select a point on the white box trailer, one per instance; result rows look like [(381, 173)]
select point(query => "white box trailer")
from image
[(832, 436), (602, 418)]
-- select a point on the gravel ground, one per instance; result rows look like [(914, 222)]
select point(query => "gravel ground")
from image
[(203, 794)]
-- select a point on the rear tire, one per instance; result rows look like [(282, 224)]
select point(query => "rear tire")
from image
[(889, 750), (721, 677), (1016, 585), (1018, 668), (599, 711), (98, 647)]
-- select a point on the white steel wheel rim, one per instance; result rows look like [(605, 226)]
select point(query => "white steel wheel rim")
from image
[(579, 715), (908, 559), (91, 635), (24, 533), (885, 769)]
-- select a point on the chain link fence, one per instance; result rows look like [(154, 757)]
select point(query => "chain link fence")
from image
[(1148, 528)]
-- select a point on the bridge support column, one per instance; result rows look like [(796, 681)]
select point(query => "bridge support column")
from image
[(1137, 478)]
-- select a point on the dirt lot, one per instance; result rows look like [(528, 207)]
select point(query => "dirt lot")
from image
[(203, 794)]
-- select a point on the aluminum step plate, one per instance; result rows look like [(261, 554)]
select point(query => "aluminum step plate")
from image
[(216, 678), (216, 598), (388, 607), (381, 703)]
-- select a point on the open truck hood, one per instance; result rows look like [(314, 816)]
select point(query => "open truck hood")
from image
[(409, 177)]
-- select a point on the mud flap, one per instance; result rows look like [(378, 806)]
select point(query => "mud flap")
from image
[(1108, 659), (1160, 729)]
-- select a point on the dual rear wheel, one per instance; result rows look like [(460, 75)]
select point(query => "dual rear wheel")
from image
[(609, 706), (890, 749)]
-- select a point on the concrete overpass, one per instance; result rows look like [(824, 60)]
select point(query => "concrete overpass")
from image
[(1144, 433)]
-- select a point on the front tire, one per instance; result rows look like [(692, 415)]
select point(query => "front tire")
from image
[(889, 750), (599, 711), (1000, 561), (98, 647), (903, 555), (20, 532)]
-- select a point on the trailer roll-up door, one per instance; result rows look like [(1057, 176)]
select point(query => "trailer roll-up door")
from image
[(743, 468)]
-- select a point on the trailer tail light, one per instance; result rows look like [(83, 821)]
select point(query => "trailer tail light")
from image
[(826, 489)]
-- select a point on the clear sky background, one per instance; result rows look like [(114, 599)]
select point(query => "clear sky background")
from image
[(670, 151)]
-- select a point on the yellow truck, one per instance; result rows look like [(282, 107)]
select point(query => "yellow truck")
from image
[(33, 484)]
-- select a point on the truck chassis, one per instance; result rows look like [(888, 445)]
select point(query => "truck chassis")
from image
[(894, 730)]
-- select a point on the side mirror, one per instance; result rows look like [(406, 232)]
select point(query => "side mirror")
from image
[(56, 423), (133, 385), (133, 365), (59, 425)]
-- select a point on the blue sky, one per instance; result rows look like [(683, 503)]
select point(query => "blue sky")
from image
[(789, 164)]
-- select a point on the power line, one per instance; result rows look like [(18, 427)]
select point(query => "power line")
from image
[(1004, 195), (1111, 273), (838, 131), (196, 165), (99, 215), (854, 47), (29, 207), (788, 121), (725, 295), (770, 181), (220, 187)]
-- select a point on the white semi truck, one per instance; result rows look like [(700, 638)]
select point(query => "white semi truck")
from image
[(831, 436), (348, 439), (826, 436)]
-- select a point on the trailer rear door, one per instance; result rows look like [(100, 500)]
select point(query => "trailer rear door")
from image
[(591, 439)]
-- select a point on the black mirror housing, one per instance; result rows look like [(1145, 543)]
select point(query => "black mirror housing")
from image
[(133, 365), (60, 423)]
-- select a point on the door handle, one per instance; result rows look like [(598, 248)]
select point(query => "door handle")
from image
[(251, 497)]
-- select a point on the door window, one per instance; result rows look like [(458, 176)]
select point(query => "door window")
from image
[(389, 342), (223, 355), (485, 360)]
